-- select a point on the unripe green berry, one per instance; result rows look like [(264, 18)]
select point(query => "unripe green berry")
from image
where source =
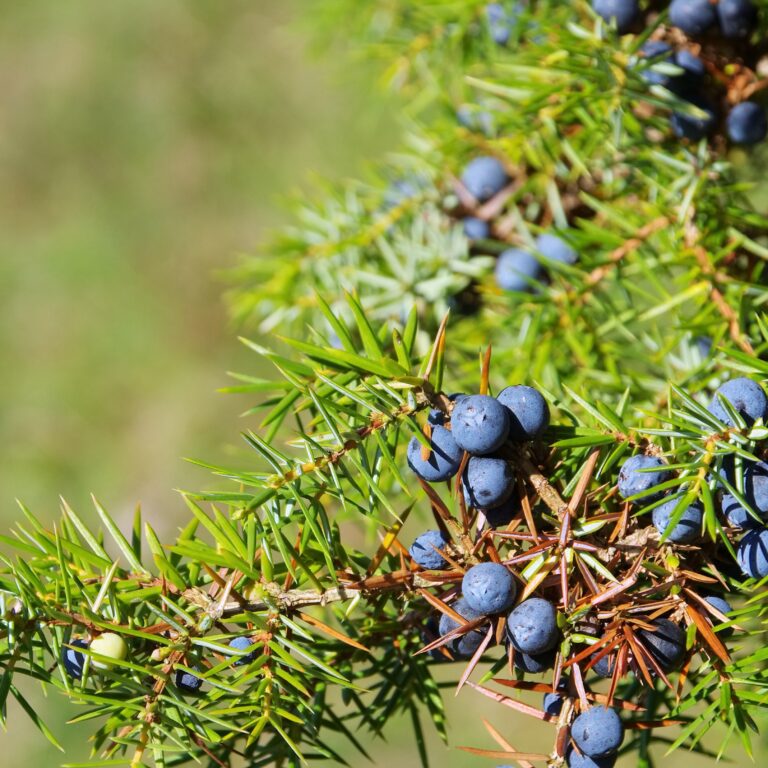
[(111, 645)]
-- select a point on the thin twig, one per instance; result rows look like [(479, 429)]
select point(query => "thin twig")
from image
[(293, 599), (718, 299), (599, 273)]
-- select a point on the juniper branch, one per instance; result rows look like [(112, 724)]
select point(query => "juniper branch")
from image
[(295, 599), (424, 397)]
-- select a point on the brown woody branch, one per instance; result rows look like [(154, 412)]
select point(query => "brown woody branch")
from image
[(692, 237), (278, 599)]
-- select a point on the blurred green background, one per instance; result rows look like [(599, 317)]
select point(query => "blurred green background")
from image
[(142, 145)]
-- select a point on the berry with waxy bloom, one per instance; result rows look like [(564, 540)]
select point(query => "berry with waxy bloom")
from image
[(480, 424), (489, 588), (441, 462), (532, 626), (484, 177), (598, 732), (424, 550)]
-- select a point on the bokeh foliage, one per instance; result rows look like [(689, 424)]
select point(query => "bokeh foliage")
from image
[(142, 147)]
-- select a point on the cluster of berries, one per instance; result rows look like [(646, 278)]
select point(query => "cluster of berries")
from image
[(641, 473), (535, 627), (482, 426), (743, 510), (110, 645), (532, 636), (686, 59), (733, 19), (517, 269), (684, 73)]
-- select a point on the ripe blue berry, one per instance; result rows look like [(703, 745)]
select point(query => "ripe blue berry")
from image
[(556, 249), (691, 64), (688, 83), (532, 626), (737, 515), (517, 269), (489, 588), (605, 665), (552, 703), (242, 644), (598, 732), (684, 84), (423, 550), (623, 13), (502, 515), (529, 412), (437, 417), (633, 480), (746, 397), (747, 123), (464, 645), (694, 126), (501, 23), (655, 51), (187, 682), (476, 229), (666, 643), (732, 468), (484, 177), (756, 487), (692, 16), (480, 424), (752, 553), (723, 606), (688, 527), (737, 18), (73, 660), (488, 481), (443, 460), (574, 759)]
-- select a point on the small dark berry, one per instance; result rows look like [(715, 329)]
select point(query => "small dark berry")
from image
[(489, 588), (623, 13), (424, 550), (747, 123), (640, 473), (598, 732), (443, 460), (72, 659), (242, 644)]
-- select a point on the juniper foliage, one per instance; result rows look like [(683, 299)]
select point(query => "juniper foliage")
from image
[(384, 308)]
